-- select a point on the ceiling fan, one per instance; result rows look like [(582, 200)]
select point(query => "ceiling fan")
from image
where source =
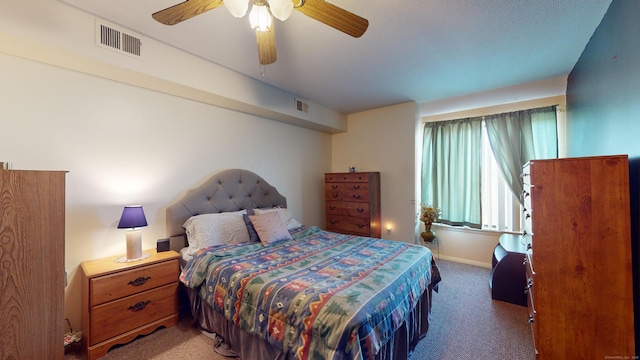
[(260, 17)]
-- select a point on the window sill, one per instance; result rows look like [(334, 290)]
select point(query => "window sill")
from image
[(472, 230)]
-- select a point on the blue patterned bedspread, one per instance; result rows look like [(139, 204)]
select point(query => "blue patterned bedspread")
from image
[(321, 295)]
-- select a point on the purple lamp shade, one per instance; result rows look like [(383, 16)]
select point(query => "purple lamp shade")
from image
[(132, 217)]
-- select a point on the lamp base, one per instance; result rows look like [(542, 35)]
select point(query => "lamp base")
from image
[(124, 259), (134, 247)]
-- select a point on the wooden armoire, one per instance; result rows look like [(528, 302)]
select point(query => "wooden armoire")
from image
[(32, 279), (578, 262)]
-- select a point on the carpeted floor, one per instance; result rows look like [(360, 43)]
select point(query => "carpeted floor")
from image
[(465, 324)]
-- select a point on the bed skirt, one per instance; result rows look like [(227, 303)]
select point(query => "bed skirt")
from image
[(249, 346)]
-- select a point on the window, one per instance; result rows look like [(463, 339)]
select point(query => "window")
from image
[(500, 208), (471, 167)]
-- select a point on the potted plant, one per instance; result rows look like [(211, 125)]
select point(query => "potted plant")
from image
[(428, 215)]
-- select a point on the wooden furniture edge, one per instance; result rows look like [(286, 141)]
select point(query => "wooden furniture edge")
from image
[(101, 349), (93, 267)]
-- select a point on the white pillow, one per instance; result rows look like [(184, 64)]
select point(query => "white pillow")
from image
[(270, 228), (285, 216), (215, 229)]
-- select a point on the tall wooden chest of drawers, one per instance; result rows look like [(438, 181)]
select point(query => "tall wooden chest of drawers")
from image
[(32, 276), (579, 274), (123, 300), (353, 203)]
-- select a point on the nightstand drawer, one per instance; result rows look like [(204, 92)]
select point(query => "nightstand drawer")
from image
[(122, 315), (112, 287)]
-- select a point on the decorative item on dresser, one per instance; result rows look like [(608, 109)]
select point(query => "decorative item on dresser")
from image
[(579, 278), (353, 203), (121, 300), (32, 280)]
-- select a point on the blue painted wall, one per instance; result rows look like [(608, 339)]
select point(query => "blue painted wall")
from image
[(603, 107), (603, 91)]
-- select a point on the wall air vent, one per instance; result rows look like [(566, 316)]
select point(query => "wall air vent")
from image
[(111, 37), (302, 106)]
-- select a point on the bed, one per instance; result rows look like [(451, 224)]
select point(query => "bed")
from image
[(269, 287)]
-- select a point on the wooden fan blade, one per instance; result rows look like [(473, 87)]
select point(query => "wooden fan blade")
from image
[(266, 46), (185, 10), (336, 17)]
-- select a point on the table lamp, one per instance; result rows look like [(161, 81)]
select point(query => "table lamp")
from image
[(133, 219)]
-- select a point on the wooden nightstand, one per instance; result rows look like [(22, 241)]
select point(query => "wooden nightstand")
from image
[(123, 300)]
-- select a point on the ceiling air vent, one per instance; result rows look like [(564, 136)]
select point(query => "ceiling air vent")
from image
[(302, 106), (117, 39)]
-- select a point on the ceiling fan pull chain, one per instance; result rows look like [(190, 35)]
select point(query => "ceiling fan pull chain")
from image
[(263, 70)]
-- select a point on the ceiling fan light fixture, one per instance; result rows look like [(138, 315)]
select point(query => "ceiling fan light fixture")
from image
[(237, 8), (281, 9), (260, 17)]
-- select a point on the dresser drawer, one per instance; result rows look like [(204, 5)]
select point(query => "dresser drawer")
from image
[(111, 287), (353, 209), (114, 318), (346, 177), (533, 316), (347, 192), (347, 224), (530, 285), (347, 188)]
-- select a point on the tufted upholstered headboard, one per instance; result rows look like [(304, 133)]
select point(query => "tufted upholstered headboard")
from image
[(229, 190)]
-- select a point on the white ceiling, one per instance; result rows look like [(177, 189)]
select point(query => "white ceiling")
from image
[(413, 50)]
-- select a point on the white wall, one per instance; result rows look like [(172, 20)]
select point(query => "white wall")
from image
[(53, 32), (124, 144), (383, 140)]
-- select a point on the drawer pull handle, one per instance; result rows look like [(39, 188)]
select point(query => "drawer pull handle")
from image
[(334, 195), (334, 187), (332, 222), (332, 207), (360, 226), (530, 319), (356, 196), (527, 216), (360, 210), (356, 187), (529, 286), (139, 305), (139, 281)]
